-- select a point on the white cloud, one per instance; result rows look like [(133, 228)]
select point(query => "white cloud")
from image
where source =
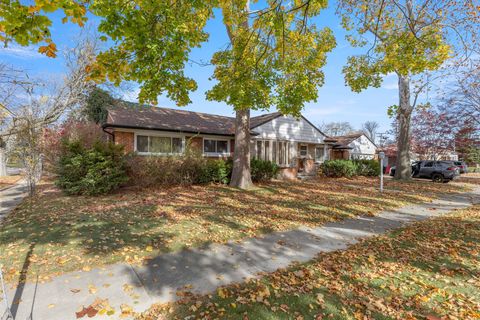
[(29, 52)]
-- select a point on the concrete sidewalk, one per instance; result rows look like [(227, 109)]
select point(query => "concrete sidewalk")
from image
[(202, 270), (11, 197)]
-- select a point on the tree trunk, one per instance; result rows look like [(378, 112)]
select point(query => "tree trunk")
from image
[(3, 162), (404, 114), (241, 156)]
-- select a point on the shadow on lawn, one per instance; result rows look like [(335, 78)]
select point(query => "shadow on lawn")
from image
[(405, 274), (134, 219)]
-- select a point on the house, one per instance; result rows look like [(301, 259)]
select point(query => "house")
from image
[(354, 146), (296, 145)]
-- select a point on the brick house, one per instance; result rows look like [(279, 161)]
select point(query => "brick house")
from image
[(296, 145)]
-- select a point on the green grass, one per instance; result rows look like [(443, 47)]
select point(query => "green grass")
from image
[(54, 233), (429, 270)]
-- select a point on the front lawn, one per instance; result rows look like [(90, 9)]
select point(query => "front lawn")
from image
[(428, 270), (54, 233)]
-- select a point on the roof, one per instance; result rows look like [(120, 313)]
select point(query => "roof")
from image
[(342, 142), (133, 115), (264, 118)]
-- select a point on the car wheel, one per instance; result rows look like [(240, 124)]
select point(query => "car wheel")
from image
[(438, 178)]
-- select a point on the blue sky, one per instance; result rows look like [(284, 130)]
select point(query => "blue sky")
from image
[(336, 101)]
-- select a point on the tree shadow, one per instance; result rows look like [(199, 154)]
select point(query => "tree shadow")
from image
[(125, 223), (398, 275)]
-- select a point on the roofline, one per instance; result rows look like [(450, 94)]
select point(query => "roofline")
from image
[(370, 140), (280, 114), (268, 120), (360, 134), (314, 126), (108, 125)]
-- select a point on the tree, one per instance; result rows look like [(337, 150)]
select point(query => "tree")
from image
[(463, 98), (97, 104), (408, 38), (370, 129), (35, 105), (467, 139), (433, 134), (336, 128), (274, 55)]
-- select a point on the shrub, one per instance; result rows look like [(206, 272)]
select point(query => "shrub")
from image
[(262, 170), (368, 168), (349, 168), (52, 143), (218, 171), (339, 168), (148, 171), (91, 171)]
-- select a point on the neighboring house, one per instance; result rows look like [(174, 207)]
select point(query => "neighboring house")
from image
[(354, 146), (296, 145)]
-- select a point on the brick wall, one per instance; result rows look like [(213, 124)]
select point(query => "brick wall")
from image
[(126, 139), (196, 143)]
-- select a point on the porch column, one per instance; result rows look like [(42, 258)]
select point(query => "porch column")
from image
[(325, 153)]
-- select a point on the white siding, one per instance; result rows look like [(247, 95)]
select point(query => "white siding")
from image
[(290, 129), (362, 146)]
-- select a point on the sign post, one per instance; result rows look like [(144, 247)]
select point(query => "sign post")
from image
[(381, 155)]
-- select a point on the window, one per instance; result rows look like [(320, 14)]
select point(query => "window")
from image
[(215, 146), (259, 149), (159, 145), (319, 154), (275, 151), (266, 155), (303, 151), (429, 164)]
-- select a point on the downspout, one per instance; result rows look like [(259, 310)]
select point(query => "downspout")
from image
[(111, 134)]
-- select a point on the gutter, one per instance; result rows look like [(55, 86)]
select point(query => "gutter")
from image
[(106, 125)]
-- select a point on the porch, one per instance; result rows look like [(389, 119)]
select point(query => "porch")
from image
[(297, 160)]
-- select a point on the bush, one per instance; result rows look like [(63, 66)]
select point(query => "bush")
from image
[(91, 171), (339, 168), (148, 171), (262, 170), (349, 168), (218, 171), (368, 168), (187, 169), (53, 146)]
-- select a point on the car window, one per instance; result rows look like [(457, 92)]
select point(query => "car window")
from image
[(446, 163), (428, 164)]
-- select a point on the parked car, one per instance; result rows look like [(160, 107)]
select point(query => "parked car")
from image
[(462, 166), (438, 171)]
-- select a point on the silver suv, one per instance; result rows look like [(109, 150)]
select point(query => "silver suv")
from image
[(438, 171)]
